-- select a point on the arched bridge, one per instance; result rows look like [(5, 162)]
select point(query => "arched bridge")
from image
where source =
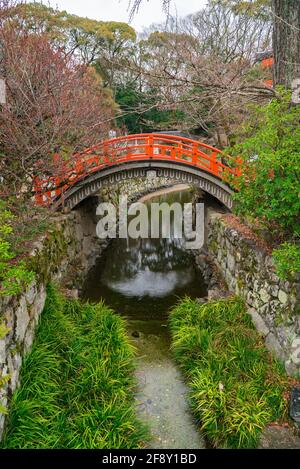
[(178, 158)]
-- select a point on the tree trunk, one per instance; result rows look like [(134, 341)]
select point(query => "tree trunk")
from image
[(286, 41)]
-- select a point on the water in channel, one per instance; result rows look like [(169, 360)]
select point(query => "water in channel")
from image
[(142, 279)]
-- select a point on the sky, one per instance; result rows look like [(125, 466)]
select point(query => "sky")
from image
[(117, 10)]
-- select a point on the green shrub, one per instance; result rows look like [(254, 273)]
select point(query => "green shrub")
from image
[(269, 147), (77, 382), (236, 386), (14, 276), (287, 260)]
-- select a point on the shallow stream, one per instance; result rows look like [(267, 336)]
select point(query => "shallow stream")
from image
[(142, 279)]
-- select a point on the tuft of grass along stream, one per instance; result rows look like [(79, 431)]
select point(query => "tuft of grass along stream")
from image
[(236, 387), (77, 382)]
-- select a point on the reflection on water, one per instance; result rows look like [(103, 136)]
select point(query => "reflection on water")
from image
[(154, 284), (143, 278)]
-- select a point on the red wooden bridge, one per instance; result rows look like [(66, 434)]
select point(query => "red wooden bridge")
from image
[(116, 154)]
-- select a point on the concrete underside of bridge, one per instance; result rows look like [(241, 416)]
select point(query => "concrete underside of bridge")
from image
[(173, 171)]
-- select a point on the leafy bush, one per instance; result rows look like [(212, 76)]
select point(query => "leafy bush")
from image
[(236, 386), (76, 384), (269, 186), (14, 276), (287, 260)]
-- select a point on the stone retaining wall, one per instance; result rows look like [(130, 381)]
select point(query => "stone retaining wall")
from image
[(66, 252), (273, 303)]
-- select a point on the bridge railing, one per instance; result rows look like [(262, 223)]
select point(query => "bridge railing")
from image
[(131, 148)]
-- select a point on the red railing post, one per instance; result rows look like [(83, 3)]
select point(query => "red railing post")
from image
[(173, 153), (105, 153), (128, 149), (37, 187), (150, 144), (56, 158), (214, 163), (195, 154), (180, 150)]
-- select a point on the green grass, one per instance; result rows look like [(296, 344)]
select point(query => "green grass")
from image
[(77, 382), (237, 388)]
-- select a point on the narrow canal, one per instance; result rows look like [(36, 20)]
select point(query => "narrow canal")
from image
[(142, 279)]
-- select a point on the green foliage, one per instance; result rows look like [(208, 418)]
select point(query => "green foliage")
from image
[(3, 409), (128, 99), (287, 260), (3, 381), (236, 386), (14, 275), (140, 112), (76, 383), (3, 330), (269, 187)]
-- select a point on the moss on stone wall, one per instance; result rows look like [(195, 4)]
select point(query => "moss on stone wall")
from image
[(51, 255)]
